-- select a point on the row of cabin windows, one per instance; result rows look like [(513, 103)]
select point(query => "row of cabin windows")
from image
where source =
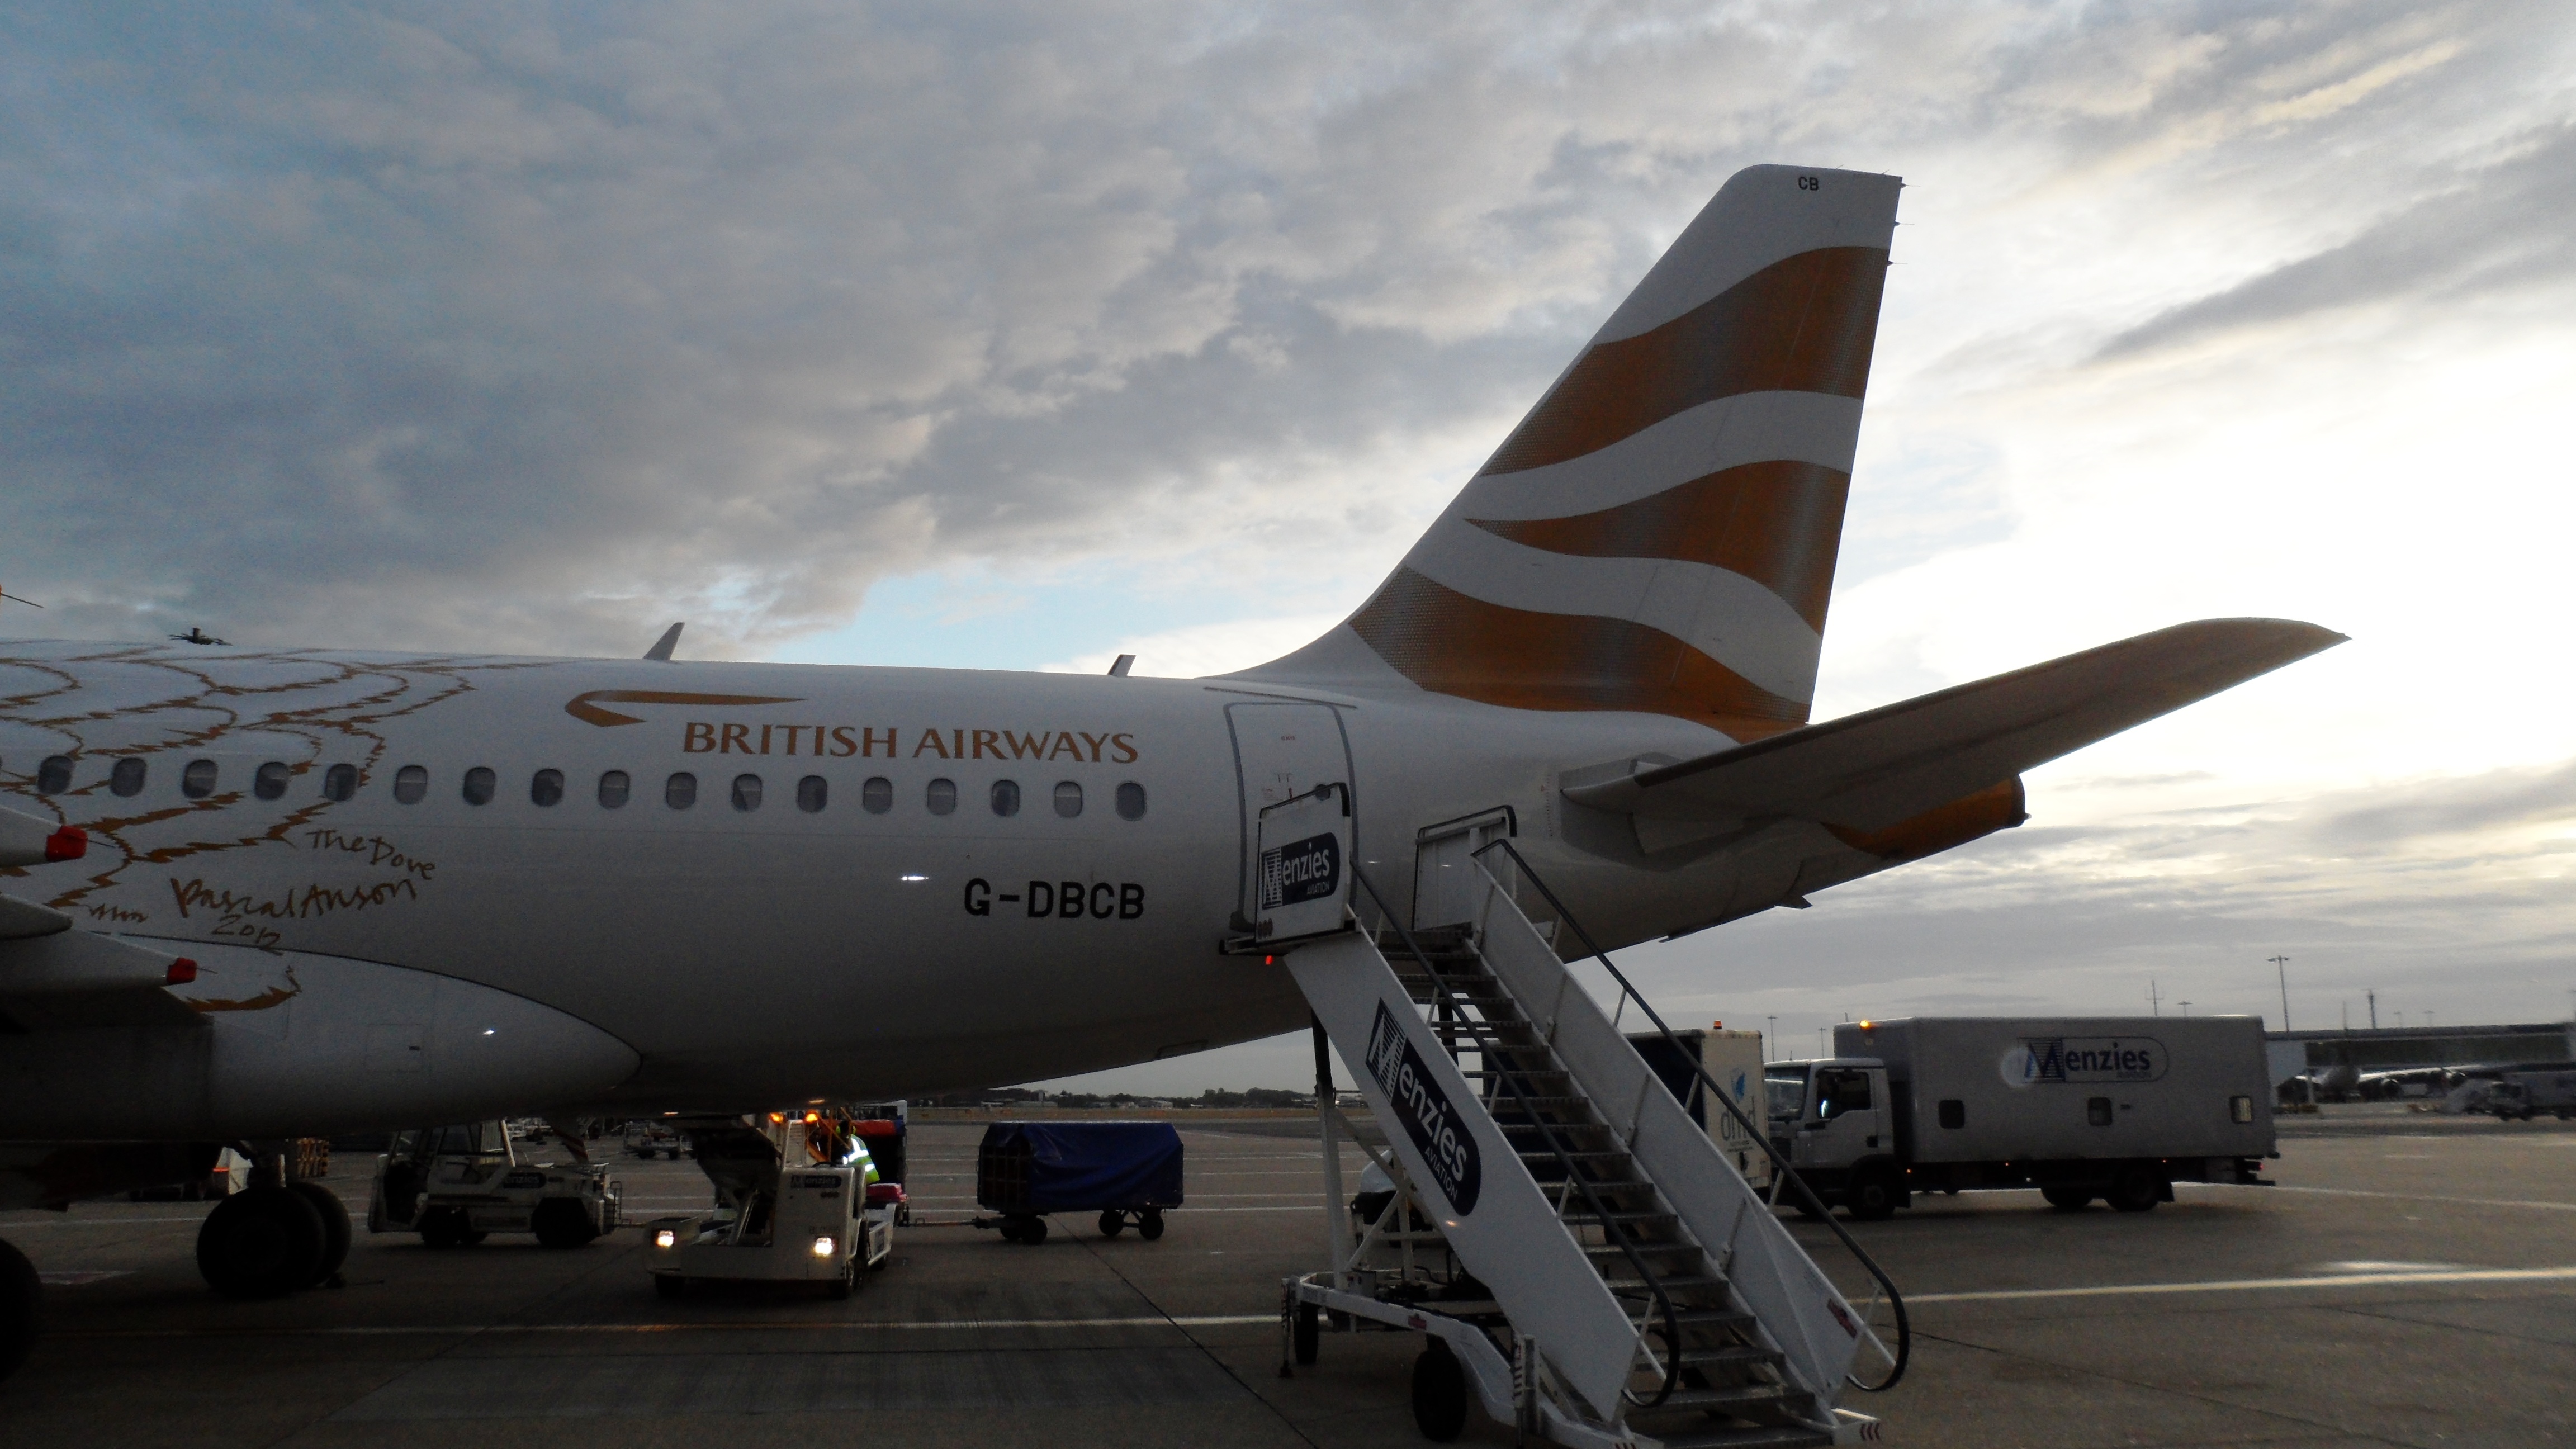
[(546, 788)]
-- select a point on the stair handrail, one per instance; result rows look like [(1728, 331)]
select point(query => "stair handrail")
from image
[(1611, 1226), (1779, 1163)]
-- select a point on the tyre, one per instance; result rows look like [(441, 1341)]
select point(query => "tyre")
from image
[(1010, 1230), (562, 1222), (1033, 1231), (1439, 1393), (335, 1228), (444, 1228), (21, 1298), (1149, 1224), (1872, 1195), (265, 1242), (670, 1285), (1306, 1333), (2067, 1199), (1112, 1222), (2137, 1190)]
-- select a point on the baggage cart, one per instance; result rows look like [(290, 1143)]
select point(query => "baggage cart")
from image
[(1127, 1172)]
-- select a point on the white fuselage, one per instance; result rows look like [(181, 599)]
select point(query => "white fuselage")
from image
[(754, 956)]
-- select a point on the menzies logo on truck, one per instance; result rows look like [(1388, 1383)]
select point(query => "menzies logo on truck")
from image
[(1302, 870), (1435, 1126), (2085, 1059)]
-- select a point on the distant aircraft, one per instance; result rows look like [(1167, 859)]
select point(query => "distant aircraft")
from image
[(198, 636), (332, 891)]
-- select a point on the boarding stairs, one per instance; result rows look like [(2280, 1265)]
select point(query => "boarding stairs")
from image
[(1611, 1279)]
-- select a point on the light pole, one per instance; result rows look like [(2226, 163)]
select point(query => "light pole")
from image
[(1768, 1036), (2186, 1007), (2282, 965)]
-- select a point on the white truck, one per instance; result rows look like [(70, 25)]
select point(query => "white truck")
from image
[(2526, 1093), (2117, 1108)]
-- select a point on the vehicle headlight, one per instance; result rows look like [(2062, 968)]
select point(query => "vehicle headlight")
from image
[(822, 1247), (666, 1238)]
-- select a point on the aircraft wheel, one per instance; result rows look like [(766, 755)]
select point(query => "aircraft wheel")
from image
[(670, 1285), (335, 1228), (264, 1242), (21, 1296), (1149, 1224), (2067, 1199), (560, 1222), (1112, 1222), (1439, 1393), (1306, 1333)]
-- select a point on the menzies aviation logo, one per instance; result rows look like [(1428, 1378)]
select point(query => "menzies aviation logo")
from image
[(1435, 1127), (1302, 870), (2084, 1059)]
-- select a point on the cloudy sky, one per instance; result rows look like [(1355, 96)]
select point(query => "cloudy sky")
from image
[(1016, 337)]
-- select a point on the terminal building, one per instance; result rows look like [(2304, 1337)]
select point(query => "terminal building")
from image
[(2394, 1048)]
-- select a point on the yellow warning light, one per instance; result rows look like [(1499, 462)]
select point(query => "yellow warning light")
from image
[(1869, 1026), (812, 1117), (777, 1116)]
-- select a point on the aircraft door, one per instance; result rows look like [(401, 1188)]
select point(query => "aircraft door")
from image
[(1445, 878), (1281, 751)]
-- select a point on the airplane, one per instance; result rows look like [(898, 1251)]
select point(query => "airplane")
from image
[(196, 635), (268, 893)]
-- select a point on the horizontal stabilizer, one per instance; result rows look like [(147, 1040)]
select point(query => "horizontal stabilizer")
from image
[(30, 840), (1873, 770)]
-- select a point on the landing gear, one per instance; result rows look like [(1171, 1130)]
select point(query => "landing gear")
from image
[(561, 1222), (335, 1229), (1439, 1393), (264, 1242), (20, 1296)]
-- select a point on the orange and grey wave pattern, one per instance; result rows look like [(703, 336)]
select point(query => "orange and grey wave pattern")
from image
[(1659, 534)]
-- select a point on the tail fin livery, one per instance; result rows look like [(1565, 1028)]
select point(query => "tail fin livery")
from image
[(1659, 533)]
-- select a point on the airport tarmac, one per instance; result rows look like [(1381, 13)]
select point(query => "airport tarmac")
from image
[(2409, 1281)]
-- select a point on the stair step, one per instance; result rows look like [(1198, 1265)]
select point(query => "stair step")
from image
[(1520, 1072), (1738, 1354), (1589, 1218), (1676, 1283), (1614, 1252), (1751, 1436), (1714, 1318)]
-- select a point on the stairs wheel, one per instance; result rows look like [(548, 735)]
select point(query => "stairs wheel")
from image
[(1149, 1224), (335, 1228), (1439, 1393), (20, 1297), (2067, 1199), (2137, 1190), (1112, 1222), (1306, 1333), (264, 1242)]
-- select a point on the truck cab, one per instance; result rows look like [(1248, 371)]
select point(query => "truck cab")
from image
[(1833, 1120)]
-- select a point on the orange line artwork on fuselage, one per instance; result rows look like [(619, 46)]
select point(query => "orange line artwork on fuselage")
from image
[(1777, 523), (585, 707)]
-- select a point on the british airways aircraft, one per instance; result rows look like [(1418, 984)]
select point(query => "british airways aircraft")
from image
[(261, 893)]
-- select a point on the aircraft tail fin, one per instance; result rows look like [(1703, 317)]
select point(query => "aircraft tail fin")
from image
[(1659, 533)]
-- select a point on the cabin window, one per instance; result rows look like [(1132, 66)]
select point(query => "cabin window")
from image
[(126, 778), (198, 780), (614, 787), (411, 784), (680, 791), (877, 795), (1840, 1092), (1954, 1113), (2240, 1109), (746, 792), (812, 794), (941, 797), (54, 776), (1006, 797), (1068, 798), (479, 784), (1131, 801), (269, 780), (545, 788), (340, 782), (2097, 1111)]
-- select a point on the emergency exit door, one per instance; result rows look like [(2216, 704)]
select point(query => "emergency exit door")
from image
[(1281, 751)]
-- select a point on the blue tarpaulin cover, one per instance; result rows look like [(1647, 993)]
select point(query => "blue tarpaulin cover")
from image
[(1044, 1167)]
